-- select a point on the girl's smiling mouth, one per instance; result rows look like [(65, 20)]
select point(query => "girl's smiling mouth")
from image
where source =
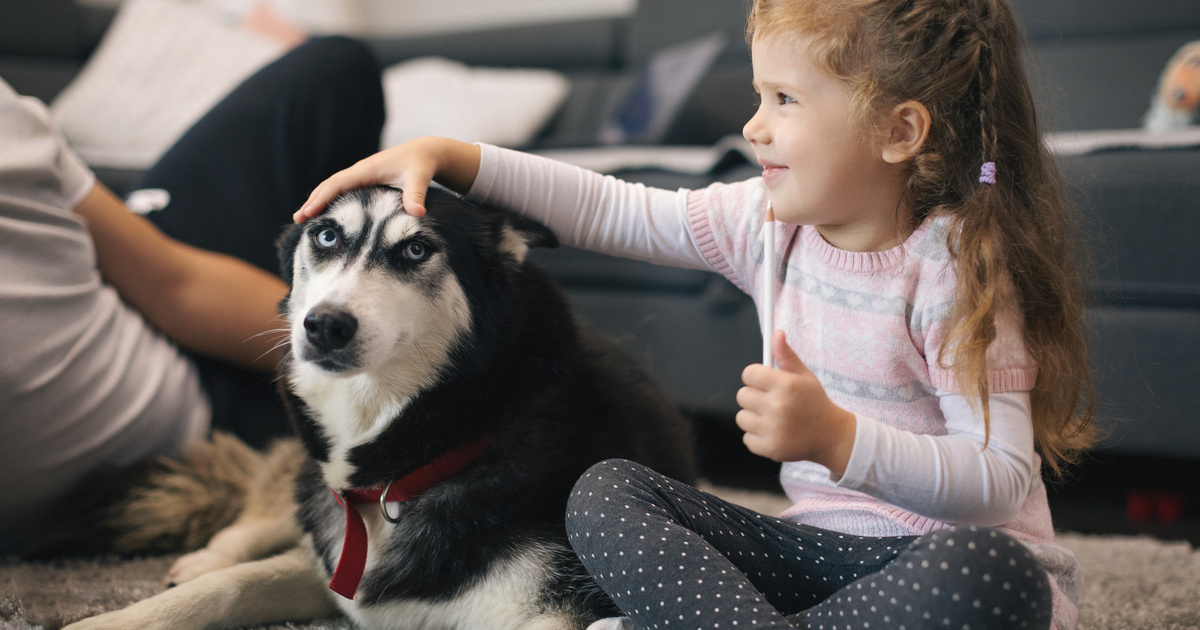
[(772, 172)]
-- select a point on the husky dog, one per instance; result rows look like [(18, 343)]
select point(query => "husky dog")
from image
[(446, 399)]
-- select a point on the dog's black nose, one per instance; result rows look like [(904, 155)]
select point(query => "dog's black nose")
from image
[(329, 329)]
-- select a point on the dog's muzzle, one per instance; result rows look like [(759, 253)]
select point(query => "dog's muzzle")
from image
[(329, 330)]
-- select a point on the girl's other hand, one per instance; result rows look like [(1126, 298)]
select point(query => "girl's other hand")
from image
[(787, 416), (410, 166)]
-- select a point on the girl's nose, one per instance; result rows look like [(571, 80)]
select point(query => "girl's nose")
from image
[(755, 130)]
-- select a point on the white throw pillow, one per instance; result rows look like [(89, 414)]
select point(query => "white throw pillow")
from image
[(431, 96), (160, 67)]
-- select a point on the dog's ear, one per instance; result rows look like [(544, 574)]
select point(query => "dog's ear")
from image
[(532, 232), (286, 246)]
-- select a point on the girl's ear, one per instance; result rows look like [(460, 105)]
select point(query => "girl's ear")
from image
[(908, 125)]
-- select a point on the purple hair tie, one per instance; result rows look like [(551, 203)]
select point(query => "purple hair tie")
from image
[(987, 173)]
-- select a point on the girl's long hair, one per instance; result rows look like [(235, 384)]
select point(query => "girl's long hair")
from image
[(1014, 241)]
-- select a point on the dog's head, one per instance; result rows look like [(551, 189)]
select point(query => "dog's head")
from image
[(379, 295)]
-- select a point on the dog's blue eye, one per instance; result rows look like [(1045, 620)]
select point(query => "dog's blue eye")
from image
[(327, 237), (415, 251)]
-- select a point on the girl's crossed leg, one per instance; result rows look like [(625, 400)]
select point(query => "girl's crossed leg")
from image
[(672, 556)]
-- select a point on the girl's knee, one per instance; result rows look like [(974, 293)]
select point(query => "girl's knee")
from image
[(983, 571), (607, 483), (599, 483), (984, 552), (596, 488)]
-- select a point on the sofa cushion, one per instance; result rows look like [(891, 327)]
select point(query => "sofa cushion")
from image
[(40, 77), (1070, 19), (1142, 215), (1101, 83), (442, 97), (720, 106), (658, 24), (44, 44), (50, 28), (142, 89), (567, 46), (723, 100), (1145, 374)]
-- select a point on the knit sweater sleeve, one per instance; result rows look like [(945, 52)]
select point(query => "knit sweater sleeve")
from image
[(727, 220)]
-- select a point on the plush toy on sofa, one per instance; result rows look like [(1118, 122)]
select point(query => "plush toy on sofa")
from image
[(1176, 102)]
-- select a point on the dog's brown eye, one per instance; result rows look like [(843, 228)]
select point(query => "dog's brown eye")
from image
[(415, 251), (327, 237)]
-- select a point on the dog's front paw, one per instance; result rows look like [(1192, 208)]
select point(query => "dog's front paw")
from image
[(115, 620), (95, 623), (197, 563), (183, 608)]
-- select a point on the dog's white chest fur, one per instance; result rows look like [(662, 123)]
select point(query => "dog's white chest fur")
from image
[(351, 411), (506, 598)]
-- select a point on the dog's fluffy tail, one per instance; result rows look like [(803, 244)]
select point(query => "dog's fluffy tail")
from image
[(179, 504)]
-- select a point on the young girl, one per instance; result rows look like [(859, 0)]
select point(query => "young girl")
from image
[(929, 334)]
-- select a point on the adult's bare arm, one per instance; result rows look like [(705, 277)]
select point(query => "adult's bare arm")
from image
[(210, 303)]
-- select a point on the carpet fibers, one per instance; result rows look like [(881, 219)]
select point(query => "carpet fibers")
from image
[(1131, 583)]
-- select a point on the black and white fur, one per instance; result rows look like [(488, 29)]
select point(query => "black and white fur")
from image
[(411, 336)]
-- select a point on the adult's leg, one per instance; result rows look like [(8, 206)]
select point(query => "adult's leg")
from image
[(238, 174)]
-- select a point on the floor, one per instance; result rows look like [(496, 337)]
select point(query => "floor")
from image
[(1107, 493)]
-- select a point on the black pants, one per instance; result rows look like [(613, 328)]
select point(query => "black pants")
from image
[(239, 173), (672, 556)]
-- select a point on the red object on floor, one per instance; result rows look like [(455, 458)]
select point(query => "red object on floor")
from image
[(1153, 505)]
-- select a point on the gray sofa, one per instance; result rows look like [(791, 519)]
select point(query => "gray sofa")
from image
[(1094, 66), (1094, 62), (1098, 64)]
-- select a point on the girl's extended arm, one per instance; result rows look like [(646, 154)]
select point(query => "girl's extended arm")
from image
[(589, 210), (583, 208), (207, 302)]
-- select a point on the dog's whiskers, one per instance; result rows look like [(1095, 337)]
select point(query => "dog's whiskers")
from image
[(285, 342), (284, 331)]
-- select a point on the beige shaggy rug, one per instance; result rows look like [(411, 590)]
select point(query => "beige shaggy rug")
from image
[(1131, 583)]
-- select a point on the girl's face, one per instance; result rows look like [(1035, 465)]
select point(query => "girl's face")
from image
[(819, 167)]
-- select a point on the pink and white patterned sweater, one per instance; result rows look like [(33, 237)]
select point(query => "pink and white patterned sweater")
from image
[(868, 324)]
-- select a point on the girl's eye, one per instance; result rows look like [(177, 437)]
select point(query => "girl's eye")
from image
[(784, 99), (327, 237), (415, 251)]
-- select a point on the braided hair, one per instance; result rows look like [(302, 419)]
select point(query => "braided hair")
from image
[(1014, 236)]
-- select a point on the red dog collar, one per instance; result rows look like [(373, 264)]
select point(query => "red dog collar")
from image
[(353, 560)]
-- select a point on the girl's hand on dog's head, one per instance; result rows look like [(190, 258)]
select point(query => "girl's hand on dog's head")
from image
[(396, 166), (410, 166)]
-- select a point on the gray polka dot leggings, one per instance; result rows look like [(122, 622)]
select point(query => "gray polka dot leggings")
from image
[(672, 556)]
